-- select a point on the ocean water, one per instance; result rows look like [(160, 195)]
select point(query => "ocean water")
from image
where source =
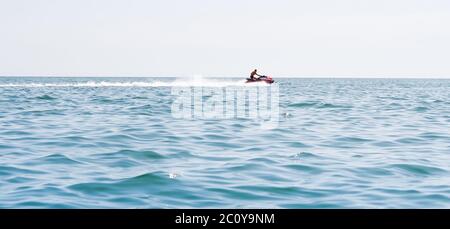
[(114, 143)]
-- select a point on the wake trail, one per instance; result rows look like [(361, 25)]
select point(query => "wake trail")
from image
[(175, 83)]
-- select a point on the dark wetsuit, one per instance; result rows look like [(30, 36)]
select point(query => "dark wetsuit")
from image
[(252, 75)]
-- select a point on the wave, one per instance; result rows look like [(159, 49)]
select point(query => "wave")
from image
[(46, 97), (419, 169), (318, 105), (176, 83)]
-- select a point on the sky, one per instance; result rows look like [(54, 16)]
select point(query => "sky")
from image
[(225, 38)]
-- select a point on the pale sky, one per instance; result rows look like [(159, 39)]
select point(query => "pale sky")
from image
[(352, 38)]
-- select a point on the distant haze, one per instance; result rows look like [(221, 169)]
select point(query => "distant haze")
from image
[(345, 38)]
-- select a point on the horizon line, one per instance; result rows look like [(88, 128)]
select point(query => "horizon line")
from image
[(199, 75)]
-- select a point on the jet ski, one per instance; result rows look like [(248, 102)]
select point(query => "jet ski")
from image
[(266, 79)]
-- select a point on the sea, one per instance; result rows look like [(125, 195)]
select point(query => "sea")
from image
[(124, 142)]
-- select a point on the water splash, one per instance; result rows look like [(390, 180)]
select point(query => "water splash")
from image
[(195, 81)]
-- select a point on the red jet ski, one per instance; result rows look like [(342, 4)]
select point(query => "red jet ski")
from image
[(266, 79)]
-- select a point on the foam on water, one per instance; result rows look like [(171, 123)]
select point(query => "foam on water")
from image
[(180, 82)]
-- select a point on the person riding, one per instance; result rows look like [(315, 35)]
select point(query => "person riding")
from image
[(253, 74)]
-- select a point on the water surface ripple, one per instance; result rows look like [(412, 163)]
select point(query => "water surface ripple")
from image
[(113, 143)]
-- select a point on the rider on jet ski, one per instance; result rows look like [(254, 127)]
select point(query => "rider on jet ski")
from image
[(261, 78), (253, 74)]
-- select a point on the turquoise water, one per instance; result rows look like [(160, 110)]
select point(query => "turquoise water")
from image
[(113, 143)]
